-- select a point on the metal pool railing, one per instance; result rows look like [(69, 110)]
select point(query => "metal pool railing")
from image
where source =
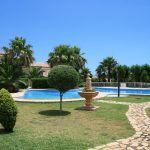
[(122, 84)]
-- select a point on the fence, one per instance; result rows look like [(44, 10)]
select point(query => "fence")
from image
[(122, 84)]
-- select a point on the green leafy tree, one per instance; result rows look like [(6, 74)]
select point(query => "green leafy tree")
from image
[(146, 68), (66, 55), (136, 71), (124, 73), (144, 76), (105, 69), (63, 78)]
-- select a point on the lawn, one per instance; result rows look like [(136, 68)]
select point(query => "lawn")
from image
[(130, 99), (41, 127), (148, 112)]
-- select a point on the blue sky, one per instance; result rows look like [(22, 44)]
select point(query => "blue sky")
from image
[(101, 28)]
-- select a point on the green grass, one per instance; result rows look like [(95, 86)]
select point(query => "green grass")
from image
[(148, 112), (41, 127), (130, 99)]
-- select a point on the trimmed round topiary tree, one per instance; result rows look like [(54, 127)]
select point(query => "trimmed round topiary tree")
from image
[(63, 78), (8, 110)]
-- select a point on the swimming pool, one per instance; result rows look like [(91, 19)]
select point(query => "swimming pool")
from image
[(73, 94), (124, 91), (50, 94)]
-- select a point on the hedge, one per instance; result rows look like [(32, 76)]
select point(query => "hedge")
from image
[(40, 83)]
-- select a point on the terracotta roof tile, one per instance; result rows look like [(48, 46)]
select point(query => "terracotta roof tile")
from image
[(40, 64)]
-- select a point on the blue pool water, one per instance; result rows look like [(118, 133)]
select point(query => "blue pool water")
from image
[(50, 94), (54, 94), (124, 91)]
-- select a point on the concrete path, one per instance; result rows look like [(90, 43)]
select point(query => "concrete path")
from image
[(140, 122)]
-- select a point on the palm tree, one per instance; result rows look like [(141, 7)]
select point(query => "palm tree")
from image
[(14, 58), (79, 61), (107, 65), (84, 73), (9, 76), (101, 73), (34, 72), (19, 53), (64, 54), (59, 56)]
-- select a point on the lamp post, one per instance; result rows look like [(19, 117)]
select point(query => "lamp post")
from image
[(118, 82)]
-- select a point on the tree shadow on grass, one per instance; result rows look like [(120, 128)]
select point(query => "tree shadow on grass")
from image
[(3, 131), (54, 113), (138, 98)]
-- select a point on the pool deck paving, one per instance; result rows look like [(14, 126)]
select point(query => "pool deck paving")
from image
[(140, 122)]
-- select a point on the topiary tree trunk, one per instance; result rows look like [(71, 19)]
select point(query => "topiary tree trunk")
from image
[(61, 96)]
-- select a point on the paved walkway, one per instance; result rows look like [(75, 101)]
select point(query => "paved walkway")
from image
[(140, 122)]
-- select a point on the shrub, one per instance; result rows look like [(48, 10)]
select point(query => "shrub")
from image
[(81, 84), (63, 78), (40, 83), (12, 88), (8, 110), (24, 83), (95, 80)]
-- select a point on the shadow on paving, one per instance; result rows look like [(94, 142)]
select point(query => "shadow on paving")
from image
[(54, 113)]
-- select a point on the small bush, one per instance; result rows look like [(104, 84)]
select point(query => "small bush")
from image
[(40, 83), (8, 110), (81, 84)]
